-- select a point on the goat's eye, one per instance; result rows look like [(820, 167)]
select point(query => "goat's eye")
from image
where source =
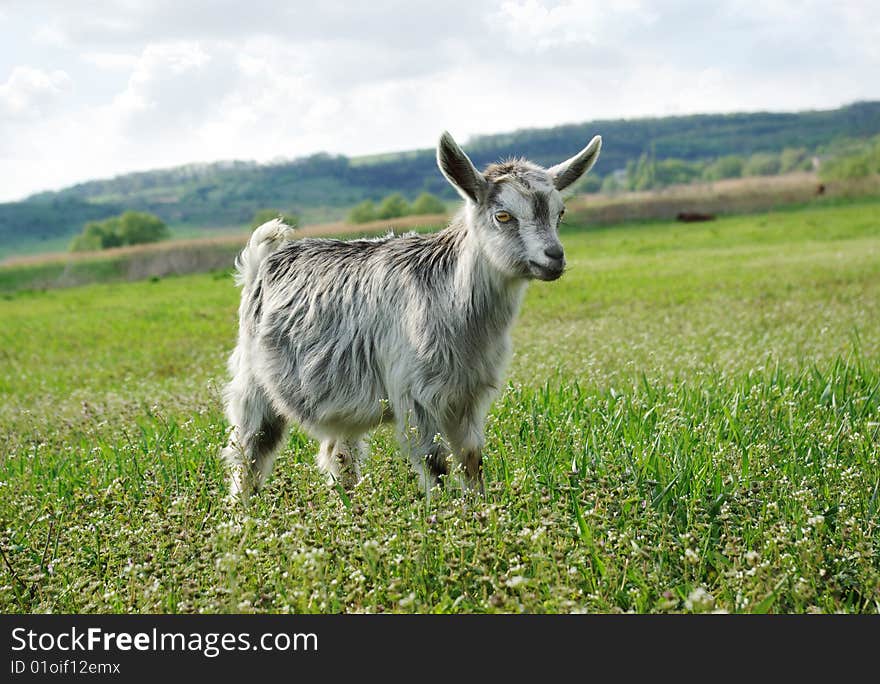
[(561, 213), (503, 217)]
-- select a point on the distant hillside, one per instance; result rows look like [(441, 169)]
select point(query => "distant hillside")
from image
[(228, 193)]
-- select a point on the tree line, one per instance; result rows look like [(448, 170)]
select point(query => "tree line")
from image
[(648, 152), (649, 173), (395, 205)]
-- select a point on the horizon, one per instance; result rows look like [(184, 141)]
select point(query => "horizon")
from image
[(143, 85)]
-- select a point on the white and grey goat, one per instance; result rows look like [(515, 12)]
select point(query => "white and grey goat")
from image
[(340, 336)]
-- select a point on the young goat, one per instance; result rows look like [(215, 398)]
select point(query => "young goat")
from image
[(340, 336)]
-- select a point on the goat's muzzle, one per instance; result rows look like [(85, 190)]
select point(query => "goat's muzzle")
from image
[(552, 269)]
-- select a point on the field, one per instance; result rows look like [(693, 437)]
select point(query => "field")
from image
[(691, 424), (198, 252)]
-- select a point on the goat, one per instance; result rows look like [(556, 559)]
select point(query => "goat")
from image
[(341, 336)]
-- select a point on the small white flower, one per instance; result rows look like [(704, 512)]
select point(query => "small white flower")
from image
[(699, 600)]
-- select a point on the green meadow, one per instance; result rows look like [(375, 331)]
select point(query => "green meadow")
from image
[(692, 423)]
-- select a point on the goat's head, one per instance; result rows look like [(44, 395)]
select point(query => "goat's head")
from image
[(515, 207)]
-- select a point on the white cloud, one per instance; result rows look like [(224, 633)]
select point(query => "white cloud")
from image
[(50, 34), (160, 82), (115, 61), (539, 26), (170, 84), (31, 92)]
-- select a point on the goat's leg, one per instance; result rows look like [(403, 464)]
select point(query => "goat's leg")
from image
[(467, 445), (471, 460), (420, 437), (340, 459), (466, 435), (257, 429)]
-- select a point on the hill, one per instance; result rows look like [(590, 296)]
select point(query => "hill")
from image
[(227, 194)]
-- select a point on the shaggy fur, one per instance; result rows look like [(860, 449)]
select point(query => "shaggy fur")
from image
[(341, 336)]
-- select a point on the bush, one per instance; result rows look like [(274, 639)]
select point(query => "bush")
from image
[(426, 203), (264, 215), (393, 206), (130, 228), (363, 212)]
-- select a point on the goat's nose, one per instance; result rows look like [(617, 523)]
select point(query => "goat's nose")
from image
[(554, 252)]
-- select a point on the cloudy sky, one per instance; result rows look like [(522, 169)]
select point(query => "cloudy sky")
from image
[(94, 88)]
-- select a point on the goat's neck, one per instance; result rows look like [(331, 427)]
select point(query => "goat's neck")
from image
[(482, 295)]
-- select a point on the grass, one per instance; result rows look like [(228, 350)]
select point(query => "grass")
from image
[(691, 424)]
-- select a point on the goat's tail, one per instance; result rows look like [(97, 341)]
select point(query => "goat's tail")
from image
[(265, 240)]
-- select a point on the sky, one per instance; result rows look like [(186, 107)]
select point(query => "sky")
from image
[(96, 88)]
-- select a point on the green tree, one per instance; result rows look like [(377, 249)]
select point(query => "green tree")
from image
[(762, 164), (794, 159), (426, 203), (730, 166), (138, 227), (641, 174), (853, 166), (393, 206), (611, 184), (676, 172), (91, 239), (130, 228), (590, 183), (363, 212), (97, 235), (856, 160), (264, 215)]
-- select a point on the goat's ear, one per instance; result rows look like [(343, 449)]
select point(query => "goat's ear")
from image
[(570, 170), (459, 170)]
